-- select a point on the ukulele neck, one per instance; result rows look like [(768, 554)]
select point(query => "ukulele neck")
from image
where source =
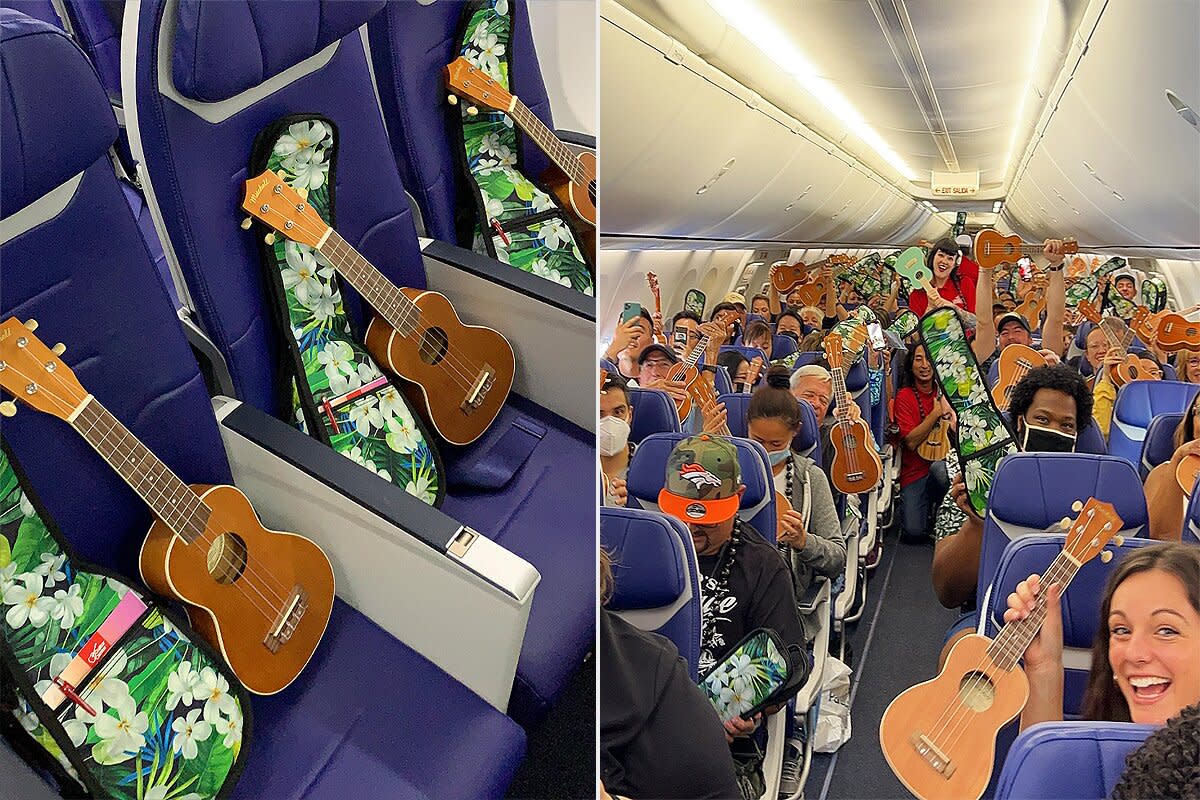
[(550, 144), (1008, 647), (172, 500), (383, 295), (841, 397)]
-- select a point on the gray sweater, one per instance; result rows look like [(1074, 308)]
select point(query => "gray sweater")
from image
[(824, 551)]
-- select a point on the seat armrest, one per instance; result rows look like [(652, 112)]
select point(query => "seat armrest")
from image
[(456, 597), (580, 140), (812, 597), (550, 327)]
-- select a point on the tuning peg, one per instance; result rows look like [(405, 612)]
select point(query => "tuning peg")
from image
[(281, 175), (1119, 540), (452, 99), (31, 324), (303, 193), (8, 408), (472, 111), (246, 223), (1077, 506), (58, 349), (269, 238), (1106, 556), (1065, 524)]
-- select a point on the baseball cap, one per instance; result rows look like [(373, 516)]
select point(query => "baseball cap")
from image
[(1123, 276), (702, 481), (1012, 316), (737, 298), (658, 348)]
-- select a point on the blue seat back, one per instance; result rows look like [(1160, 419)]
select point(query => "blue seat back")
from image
[(748, 353), (1034, 491), (86, 276), (721, 381), (656, 581), (197, 130), (1080, 605), (653, 412), (97, 26), (1137, 404), (411, 44), (647, 474), (782, 346), (737, 406), (1159, 445), (37, 9), (1080, 760)]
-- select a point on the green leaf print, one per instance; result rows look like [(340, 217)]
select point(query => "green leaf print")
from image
[(32, 540), (5, 553)]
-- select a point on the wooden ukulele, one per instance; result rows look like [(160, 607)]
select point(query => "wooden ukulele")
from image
[(939, 737), (459, 374), (652, 282), (1032, 307), (261, 597), (1187, 472), (577, 190), (993, 248), (755, 369), (1175, 332), (1132, 368), (1015, 362), (787, 277), (937, 441), (856, 466)]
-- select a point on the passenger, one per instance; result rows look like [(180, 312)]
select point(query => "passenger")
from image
[(1165, 499), (812, 317), (659, 735), (628, 342), (1012, 328), (612, 439), (758, 334), (759, 304), (738, 368), (954, 288), (656, 363), (685, 333), (728, 315), (774, 420), (790, 324), (1095, 345), (1046, 407), (1104, 391), (1126, 286), (813, 383), (1188, 365), (746, 583), (654, 367), (1144, 665), (738, 301), (919, 406)]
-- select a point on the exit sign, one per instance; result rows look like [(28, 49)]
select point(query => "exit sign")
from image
[(954, 184)]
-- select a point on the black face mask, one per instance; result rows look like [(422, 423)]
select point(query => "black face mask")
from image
[(1037, 439), (791, 335)]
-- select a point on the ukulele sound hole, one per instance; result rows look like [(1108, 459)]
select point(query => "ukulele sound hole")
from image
[(434, 345), (976, 691), (592, 191), (227, 558)]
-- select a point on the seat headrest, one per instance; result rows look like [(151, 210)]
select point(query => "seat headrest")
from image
[(647, 471), (1036, 490), (1068, 759), (1159, 444), (56, 119), (653, 412), (1138, 402), (224, 48), (649, 571)]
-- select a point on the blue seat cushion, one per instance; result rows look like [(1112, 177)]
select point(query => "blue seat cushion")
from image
[(1159, 445), (1082, 760), (368, 716)]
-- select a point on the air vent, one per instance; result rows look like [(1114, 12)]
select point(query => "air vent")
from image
[(1183, 110), (720, 174), (799, 197)]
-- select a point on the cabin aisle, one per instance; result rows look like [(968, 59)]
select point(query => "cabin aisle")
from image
[(895, 646)]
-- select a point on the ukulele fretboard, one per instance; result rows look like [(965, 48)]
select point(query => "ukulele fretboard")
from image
[(567, 161), (376, 289)]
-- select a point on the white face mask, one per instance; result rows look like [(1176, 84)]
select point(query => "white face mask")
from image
[(612, 436)]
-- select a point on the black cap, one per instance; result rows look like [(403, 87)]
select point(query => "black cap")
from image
[(1123, 276), (1013, 316), (658, 348)]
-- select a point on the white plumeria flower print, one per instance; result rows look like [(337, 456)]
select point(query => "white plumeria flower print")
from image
[(493, 208), (422, 489), (367, 371), (215, 691), (402, 435), (978, 394), (366, 416), (188, 731), (309, 173), (230, 727), (323, 304), (506, 157), (391, 402), (501, 7), (540, 269), (26, 506), (51, 569), (554, 234), (491, 144), (972, 474), (8, 578), (337, 358), (301, 139), (67, 605), (304, 272), (182, 685), (541, 201), (482, 31), (121, 734), (27, 602), (490, 51)]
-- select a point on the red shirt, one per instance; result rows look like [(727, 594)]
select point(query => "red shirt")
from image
[(910, 411), (968, 275)]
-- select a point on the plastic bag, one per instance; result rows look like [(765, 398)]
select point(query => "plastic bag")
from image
[(833, 721)]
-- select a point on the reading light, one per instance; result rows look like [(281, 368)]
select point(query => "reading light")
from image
[(746, 18), (996, 206)]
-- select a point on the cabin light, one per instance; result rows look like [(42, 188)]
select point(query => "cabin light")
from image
[(758, 29), (799, 197), (720, 173), (996, 206), (1183, 109)]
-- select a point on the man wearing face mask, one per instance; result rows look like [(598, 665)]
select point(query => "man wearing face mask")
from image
[(612, 439), (1047, 409)]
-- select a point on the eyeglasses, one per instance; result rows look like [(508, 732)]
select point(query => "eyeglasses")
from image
[(655, 363)]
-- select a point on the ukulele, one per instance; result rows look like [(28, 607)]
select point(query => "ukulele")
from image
[(1187, 472), (993, 248), (756, 365), (687, 372), (910, 265), (1032, 307), (812, 284), (937, 441), (459, 374), (577, 188), (652, 282), (1175, 332), (261, 597), (1015, 362), (856, 466), (939, 737), (1132, 368)]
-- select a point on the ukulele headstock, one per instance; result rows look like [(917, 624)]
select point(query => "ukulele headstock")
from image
[(1143, 324), (1096, 525), (833, 350), (467, 80), (34, 373), (271, 201), (840, 260), (1089, 312)]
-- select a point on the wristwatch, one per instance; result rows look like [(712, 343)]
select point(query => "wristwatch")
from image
[(708, 368)]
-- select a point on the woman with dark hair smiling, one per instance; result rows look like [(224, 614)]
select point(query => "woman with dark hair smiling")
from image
[(1165, 499)]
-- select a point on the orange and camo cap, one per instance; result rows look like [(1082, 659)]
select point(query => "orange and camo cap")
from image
[(702, 481)]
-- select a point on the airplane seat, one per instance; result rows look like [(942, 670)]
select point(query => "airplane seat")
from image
[(1169, 373), (782, 346), (36, 9), (411, 44), (656, 579), (1080, 605), (97, 28), (721, 382), (1034, 491), (1159, 445), (1137, 404), (806, 358), (1089, 439), (609, 367), (737, 407), (806, 442), (993, 376), (653, 412), (648, 468), (1191, 520), (61, 207), (200, 81), (1082, 760), (748, 353)]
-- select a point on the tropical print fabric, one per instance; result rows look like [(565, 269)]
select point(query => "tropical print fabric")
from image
[(1083, 288), (983, 437), (905, 323), (865, 276), (377, 430), (747, 676), (167, 724), (539, 240)]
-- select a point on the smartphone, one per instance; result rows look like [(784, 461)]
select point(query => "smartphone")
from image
[(680, 337), (875, 333), (695, 301), (631, 311), (1025, 265)]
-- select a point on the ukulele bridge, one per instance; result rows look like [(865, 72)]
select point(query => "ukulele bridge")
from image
[(479, 389), (933, 754), (289, 617)]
